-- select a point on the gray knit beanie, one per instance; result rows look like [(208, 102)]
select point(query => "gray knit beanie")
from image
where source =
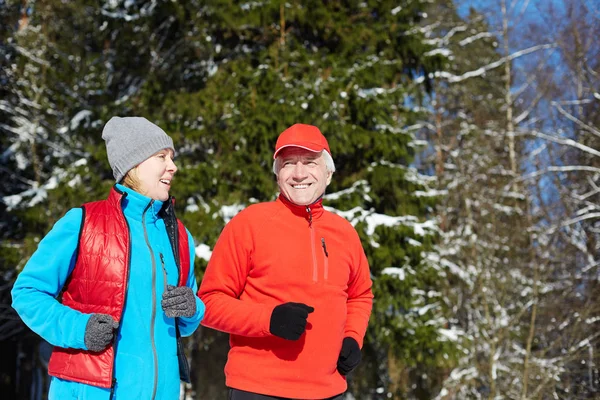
[(131, 140)]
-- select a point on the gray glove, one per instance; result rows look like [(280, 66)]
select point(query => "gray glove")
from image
[(99, 331), (178, 301)]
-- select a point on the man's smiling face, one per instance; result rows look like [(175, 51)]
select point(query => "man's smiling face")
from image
[(302, 175)]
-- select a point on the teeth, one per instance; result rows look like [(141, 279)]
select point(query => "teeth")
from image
[(304, 186), (165, 181)]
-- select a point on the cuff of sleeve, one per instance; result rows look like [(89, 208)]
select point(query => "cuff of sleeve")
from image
[(198, 315), (80, 334), (356, 337), (264, 319), (200, 309)]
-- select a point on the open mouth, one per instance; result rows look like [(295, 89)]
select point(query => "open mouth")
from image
[(166, 182)]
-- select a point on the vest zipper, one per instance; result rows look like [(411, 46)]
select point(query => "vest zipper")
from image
[(152, 321), (312, 245), (326, 259)]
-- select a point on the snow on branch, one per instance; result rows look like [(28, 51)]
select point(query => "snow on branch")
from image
[(38, 193), (567, 168), (571, 117), (24, 52), (355, 186), (581, 218), (373, 220), (567, 142), (451, 78), (146, 10), (471, 39)]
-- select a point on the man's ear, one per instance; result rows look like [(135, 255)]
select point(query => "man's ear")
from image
[(329, 175)]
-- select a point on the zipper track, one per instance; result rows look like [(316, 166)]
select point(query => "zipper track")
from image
[(152, 321), (314, 255), (315, 276)]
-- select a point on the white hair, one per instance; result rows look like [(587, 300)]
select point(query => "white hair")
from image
[(328, 162)]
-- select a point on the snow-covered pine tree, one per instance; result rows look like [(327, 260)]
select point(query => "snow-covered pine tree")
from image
[(347, 69)]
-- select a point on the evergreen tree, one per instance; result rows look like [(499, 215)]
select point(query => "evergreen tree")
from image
[(9, 19), (345, 67), (225, 80), (52, 80), (66, 67), (72, 66)]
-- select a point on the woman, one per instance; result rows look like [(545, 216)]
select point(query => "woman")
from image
[(112, 286)]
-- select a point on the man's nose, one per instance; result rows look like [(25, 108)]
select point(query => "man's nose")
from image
[(299, 171)]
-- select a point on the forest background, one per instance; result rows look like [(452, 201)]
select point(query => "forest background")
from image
[(466, 136)]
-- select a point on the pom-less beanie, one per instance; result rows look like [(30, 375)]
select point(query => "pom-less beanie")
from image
[(131, 140)]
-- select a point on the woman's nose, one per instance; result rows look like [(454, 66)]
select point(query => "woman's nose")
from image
[(172, 166)]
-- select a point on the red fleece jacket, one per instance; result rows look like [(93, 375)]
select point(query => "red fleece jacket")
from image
[(273, 253)]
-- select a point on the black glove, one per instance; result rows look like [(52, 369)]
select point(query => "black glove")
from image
[(178, 301), (349, 356), (99, 331), (288, 320)]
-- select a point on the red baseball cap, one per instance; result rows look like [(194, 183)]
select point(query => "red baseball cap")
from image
[(308, 137)]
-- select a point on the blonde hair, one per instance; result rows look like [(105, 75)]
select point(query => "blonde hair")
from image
[(132, 181)]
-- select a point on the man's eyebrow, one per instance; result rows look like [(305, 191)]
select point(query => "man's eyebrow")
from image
[(310, 157)]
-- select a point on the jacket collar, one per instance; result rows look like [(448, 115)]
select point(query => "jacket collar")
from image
[(315, 209), (134, 204)]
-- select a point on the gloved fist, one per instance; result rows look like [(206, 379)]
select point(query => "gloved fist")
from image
[(288, 320), (99, 331), (178, 301), (349, 356)]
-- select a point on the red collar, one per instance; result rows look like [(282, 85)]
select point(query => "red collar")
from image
[(315, 209)]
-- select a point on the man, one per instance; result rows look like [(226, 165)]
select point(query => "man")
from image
[(290, 282)]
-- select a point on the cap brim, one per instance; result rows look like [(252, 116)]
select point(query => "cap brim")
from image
[(314, 150)]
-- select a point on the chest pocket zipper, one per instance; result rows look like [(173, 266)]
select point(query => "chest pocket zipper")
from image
[(162, 263), (325, 259)]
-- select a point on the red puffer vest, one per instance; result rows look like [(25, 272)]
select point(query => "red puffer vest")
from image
[(98, 283)]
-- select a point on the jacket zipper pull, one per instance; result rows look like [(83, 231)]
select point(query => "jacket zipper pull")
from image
[(324, 247), (162, 263), (309, 215)]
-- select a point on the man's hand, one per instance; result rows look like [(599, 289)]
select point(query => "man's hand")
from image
[(288, 320), (178, 301), (349, 356), (99, 331)]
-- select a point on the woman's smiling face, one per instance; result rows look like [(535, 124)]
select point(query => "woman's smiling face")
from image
[(155, 175)]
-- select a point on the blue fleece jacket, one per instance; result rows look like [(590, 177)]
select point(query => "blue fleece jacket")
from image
[(146, 358)]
